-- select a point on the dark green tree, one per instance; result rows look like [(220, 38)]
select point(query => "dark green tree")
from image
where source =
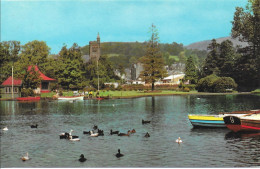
[(152, 61), (211, 62), (9, 54), (227, 56), (70, 70), (246, 26), (191, 72)]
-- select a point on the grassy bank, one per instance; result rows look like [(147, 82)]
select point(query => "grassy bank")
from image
[(124, 94), (134, 94)]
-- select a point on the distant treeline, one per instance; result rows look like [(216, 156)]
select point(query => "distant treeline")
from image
[(124, 54)]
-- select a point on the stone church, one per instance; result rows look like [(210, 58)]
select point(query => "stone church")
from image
[(94, 49)]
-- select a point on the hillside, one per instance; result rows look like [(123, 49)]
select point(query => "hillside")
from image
[(202, 45)]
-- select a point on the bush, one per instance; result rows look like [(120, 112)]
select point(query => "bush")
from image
[(206, 84), (190, 86), (25, 92), (213, 83), (224, 83), (186, 89)]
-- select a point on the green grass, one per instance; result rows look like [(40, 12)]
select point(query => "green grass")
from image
[(176, 58), (256, 91), (123, 94)]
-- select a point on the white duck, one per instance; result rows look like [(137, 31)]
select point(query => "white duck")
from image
[(73, 139), (26, 157), (179, 140), (93, 134), (5, 128)]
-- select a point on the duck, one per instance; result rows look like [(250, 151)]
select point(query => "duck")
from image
[(119, 154), (113, 132), (147, 135), (82, 158), (145, 122), (123, 134), (133, 131), (178, 140), (93, 134), (86, 132), (100, 132), (64, 135), (73, 139), (95, 127), (26, 157), (34, 126), (5, 128)]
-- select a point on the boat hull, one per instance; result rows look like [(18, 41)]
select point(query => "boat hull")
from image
[(71, 98), (28, 98), (206, 120), (237, 124)]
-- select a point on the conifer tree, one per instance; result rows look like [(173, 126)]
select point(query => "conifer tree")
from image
[(152, 61)]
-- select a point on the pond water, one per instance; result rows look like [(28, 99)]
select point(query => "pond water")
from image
[(202, 147)]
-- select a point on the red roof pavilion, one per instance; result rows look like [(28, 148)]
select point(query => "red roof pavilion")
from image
[(43, 77), (8, 82)]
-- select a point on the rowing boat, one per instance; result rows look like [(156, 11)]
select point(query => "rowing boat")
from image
[(28, 98), (249, 122), (205, 120), (71, 98)]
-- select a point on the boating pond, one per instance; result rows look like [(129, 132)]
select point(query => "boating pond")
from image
[(201, 147)]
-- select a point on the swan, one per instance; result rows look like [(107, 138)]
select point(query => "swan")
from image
[(119, 154), (5, 128), (82, 158), (26, 157), (179, 140), (93, 134), (147, 135)]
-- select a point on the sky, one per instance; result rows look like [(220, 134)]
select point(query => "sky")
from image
[(64, 22)]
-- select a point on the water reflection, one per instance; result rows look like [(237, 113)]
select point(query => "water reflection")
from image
[(201, 147)]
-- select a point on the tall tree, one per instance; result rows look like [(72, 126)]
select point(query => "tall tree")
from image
[(152, 61), (227, 56), (70, 72), (246, 26), (191, 72), (210, 65)]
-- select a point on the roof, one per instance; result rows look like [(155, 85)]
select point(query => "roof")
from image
[(41, 74), (8, 82), (174, 76)]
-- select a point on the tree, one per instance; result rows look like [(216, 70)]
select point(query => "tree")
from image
[(9, 51), (227, 56), (210, 65), (246, 26), (191, 72), (70, 70), (152, 60), (34, 53)]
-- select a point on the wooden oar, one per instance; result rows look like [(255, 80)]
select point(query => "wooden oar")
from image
[(254, 112)]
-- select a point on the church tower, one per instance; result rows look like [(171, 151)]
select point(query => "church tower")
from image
[(94, 49)]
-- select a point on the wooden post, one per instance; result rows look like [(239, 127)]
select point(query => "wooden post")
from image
[(12, 82)]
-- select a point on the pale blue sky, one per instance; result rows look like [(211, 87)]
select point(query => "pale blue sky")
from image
[(59, 22)]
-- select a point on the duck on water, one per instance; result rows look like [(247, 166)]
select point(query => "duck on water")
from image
[(118, 155)]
